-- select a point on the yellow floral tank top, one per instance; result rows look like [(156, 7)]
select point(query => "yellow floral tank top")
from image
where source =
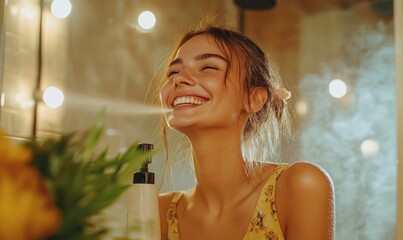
[(264, 223)]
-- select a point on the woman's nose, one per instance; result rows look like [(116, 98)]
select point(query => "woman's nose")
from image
[(183, 78)]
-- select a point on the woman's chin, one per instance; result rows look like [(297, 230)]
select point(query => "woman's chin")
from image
[(184, 127), (180, 121)]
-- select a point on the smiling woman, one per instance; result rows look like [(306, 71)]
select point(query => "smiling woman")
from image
[(232, 108), (200, 76)]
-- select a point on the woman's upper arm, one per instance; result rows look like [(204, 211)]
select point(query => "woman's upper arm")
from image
[(310, 214)]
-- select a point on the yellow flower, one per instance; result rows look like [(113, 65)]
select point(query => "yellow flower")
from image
[(27, 210), (12, 152)]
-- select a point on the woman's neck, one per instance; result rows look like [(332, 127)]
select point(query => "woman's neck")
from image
[(219, 168)]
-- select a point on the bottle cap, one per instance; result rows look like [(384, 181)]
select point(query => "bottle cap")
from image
[(143, 177)]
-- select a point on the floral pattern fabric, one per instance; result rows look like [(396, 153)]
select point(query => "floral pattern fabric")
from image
[(264, 224)]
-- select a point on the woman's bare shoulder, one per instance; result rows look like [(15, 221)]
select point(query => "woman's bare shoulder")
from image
[(310, 210), (306, 175)]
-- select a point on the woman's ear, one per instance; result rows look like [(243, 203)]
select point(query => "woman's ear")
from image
[(257, 98)]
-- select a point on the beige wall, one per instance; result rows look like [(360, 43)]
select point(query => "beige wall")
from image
[(398, 5)]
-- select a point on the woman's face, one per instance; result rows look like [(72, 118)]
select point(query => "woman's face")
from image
[(197, 91)]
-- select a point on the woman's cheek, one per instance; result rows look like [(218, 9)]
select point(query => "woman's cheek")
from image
[(164, 95)]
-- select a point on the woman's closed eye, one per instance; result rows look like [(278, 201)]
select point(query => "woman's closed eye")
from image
[(208, 67), (172, 72), (205, 67)]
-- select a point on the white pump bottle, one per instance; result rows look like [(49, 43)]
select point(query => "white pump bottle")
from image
[(143, 221)]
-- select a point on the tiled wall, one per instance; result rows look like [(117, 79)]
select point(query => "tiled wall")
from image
[(19, 67)]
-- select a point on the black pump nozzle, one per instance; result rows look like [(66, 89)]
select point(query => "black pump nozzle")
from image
[(144, 176), (146, 147)]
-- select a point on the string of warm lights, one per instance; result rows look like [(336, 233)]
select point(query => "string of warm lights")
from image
[(52, 96)]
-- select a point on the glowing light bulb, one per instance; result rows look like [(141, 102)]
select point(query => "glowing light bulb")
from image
[(53, 97), (146, 20), (61, 8), (337, 88), (369, 148), (301, 107)]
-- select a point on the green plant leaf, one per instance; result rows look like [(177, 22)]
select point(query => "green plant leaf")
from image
[(84, 181), (95, 134)]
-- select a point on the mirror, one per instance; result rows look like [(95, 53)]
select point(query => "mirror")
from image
[(337, 57)]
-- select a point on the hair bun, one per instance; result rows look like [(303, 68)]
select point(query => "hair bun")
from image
[(283, 94)]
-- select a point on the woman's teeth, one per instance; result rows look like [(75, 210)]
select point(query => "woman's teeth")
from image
[(187, 100)]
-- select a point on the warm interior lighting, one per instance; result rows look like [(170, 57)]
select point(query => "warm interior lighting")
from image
[(146, 20), (369, 148), (53, 97), (61, 8), (337, 88)]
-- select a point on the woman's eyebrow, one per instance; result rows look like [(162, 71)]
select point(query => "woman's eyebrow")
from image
[(200, 57), (209, 55), (176, 61)]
